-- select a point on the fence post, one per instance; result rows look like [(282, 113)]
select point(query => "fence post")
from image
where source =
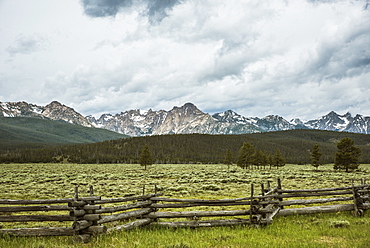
[(91, 209), (262, 189), (251, 204), (357, 201), (84, 212), (78, 225), (153, 202), (279, 192)]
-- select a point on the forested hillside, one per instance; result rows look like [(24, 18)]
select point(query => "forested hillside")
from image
[(18, 132), (295, 146)]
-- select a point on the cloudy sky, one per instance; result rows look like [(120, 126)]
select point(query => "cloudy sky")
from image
[(293, 58)]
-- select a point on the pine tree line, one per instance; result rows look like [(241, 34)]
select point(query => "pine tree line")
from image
[(295, 147)]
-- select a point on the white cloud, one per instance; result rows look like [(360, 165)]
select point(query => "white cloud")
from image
[(293, 58)]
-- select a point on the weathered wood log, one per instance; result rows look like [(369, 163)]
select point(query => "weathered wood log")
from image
[(205, 223), (91, 217), (260, 203), (132, 225), (46, 201), (91, 207), (77, 212), (81, 224), (199, 200), (365, 191), (35, 208), (194, 200), (163, 199), (155, 215), (356, 201), (124, 207), (38, 218), (315, 210), (82, 238), (221, 204), (365, 206), (125, 199), (314, 201), (124, 216), (319, 190), (46, 231), (364, 198), (269, 217), (251, 203), (95, 230), (313, 194), (279, 187), (77, 203)]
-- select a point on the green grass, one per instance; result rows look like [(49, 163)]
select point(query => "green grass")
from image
[(35, 181), (28, 181), (291, 231)]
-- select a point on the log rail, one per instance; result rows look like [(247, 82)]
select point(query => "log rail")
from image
[(92, 215)]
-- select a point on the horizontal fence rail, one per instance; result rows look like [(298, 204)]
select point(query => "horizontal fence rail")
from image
[(93, 215)]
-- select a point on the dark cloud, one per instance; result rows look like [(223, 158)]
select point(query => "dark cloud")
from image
[(348, 59), (104, 8), (156, 10)]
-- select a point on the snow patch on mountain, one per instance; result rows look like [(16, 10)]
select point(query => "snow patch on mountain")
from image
[(185, 119)]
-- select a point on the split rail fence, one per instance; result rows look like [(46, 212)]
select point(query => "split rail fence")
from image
[(91, 214)]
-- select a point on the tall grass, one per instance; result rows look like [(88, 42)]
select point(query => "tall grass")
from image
[(34, 181)]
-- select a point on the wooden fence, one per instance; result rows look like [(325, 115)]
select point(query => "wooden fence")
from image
[(92, 215)]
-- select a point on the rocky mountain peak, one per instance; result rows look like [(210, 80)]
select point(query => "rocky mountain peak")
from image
[(185, 119), (296, 121), (187, 108), (228, 116), (53, 111), (57, 111), (20, 109), (348, 115), (54, 104)]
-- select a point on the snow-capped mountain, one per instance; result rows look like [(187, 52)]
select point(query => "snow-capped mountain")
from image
[(185, 119), (342, 123), (53, 111)]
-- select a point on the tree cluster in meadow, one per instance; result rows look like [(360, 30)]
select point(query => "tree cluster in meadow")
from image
[(346, 158), (249, 157)]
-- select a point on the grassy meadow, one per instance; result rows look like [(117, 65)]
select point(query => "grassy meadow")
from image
[(45, 181)]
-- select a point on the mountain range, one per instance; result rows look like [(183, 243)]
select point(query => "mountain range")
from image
[(185, 119)]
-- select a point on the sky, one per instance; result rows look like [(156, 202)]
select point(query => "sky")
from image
[(293, 58)]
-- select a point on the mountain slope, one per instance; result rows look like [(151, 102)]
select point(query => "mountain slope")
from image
[(35, 132), (185, 119), (52, 111)]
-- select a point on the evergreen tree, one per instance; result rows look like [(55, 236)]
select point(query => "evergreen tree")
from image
[(279, 161), (265, 160), (316, 154), (145, 157), (347, 155), (245, 156), (259, 158), (270, 160), (229, 158)]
